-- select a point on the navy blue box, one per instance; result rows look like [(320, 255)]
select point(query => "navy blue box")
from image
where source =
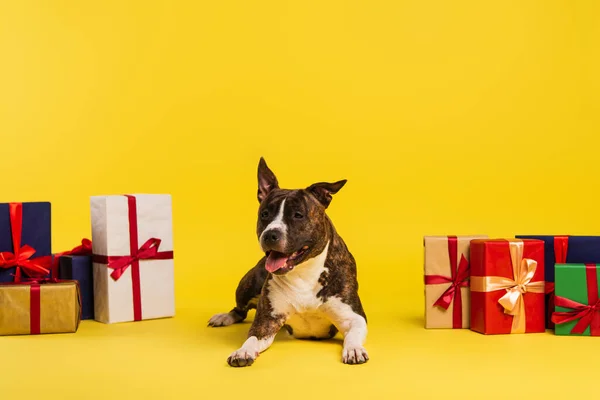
[(36, 232), (580, 249), (79, 268)]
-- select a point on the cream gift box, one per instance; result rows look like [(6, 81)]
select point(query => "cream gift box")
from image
[(132, 244), (447, 295)]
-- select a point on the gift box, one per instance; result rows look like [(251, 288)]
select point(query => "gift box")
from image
[(446, 264), (577, 306), (132, 244), (31, 308), (563, 250), (507, 286), (79, 268), (84, 249), (25, 240)]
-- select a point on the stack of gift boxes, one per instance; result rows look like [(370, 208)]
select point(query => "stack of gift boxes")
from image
[(125, 273), (523, 285)]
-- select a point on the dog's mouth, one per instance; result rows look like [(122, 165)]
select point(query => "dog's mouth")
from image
[(279, 263)]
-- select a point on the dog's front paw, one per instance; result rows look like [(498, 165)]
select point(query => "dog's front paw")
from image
[(355, 355), (218, 320), (241, 358)]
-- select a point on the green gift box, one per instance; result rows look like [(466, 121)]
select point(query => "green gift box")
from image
[(577, 305)]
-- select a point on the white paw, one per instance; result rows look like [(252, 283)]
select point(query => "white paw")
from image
[(221, 320), (355, 355), (242, 358)]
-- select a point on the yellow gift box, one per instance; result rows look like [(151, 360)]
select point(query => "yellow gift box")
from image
[(31, 308)]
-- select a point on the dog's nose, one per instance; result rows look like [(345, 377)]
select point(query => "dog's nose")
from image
[(272, 237)]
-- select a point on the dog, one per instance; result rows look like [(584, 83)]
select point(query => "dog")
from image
[(307, 280)]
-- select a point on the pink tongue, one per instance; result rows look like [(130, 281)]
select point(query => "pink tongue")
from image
[(275, 261)]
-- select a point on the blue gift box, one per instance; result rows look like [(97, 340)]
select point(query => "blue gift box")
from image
[(36, 232), (79, 268), (580, 249)]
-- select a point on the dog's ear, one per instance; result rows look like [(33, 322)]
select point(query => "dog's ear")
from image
[(266, 180), (323, 191)]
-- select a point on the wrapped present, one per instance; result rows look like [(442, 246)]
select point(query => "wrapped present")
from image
[(79, 268), (446, 267), (561, 250), (84, 249), (132, 243), (577, 305), (507, 286), (25, 241), (38, 307)]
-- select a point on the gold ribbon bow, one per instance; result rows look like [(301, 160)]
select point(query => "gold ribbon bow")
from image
[(512, 301)]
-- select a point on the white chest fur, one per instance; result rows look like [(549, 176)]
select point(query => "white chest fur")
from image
[(295, 295)]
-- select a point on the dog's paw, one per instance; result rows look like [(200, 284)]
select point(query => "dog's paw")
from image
[(224, 319), (355, 355), (242, 358)]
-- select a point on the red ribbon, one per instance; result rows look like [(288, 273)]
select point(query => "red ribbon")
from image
[(84, 249), (561, 247), (587, 314), (459, 277), (21, 255), (148, 251)]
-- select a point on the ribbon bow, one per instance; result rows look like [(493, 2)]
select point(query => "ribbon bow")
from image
[(459, 280), (21, 255), (147, 251), (588, 315), (512, 301)]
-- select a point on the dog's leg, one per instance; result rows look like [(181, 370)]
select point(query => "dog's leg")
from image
[(246, 297), (353, 326), (261, 335)]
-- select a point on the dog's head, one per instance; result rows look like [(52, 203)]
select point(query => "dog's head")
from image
[(292, 225)]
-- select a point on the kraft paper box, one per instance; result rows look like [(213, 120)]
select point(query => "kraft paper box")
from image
[(507, 286), (30, 308), (132, 245), (447, 301), (561, 250), (33, 220), (577, 300), (79, 268)]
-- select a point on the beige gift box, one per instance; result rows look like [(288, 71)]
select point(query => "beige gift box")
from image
[(138, 225), (439, 278)]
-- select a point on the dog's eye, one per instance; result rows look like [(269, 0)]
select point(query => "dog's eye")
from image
[(298, 215), (264, 214)]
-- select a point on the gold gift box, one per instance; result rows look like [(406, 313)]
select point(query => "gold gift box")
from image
[(59, 308)]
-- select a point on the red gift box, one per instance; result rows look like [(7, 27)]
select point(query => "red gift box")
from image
[(507, 286)]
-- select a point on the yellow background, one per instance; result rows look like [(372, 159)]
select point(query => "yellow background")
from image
[(446, 117)]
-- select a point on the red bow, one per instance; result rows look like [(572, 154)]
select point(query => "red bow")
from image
[(588, 315), (459, 278), (21, 255), (148, 251)]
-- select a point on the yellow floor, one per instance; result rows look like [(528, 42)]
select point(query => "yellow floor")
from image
[(181, 358)]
